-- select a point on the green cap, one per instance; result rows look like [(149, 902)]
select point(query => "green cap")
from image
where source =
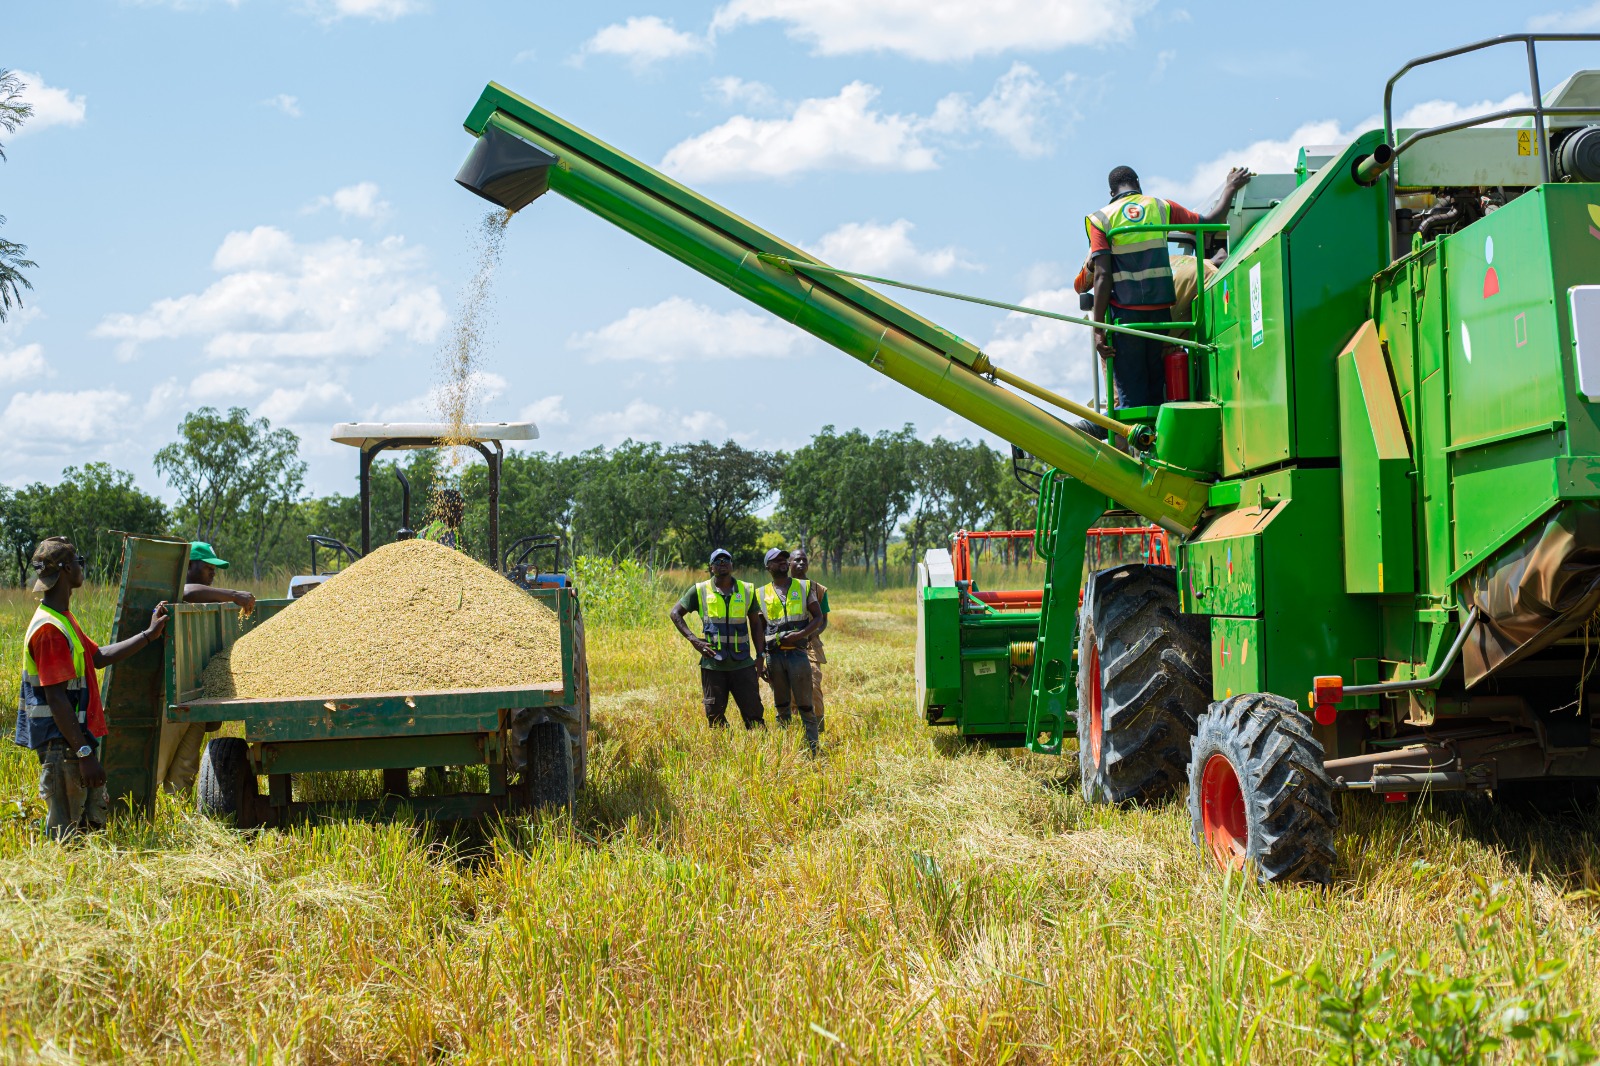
[(201, 552)]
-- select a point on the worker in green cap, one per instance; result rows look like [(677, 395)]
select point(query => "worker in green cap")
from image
[(178, 757)]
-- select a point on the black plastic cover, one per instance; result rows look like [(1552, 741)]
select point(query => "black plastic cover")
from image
[(506, 170)]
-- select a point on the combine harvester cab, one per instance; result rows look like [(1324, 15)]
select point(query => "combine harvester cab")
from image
[(1381, 494)]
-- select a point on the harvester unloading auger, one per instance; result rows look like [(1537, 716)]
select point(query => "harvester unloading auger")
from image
[(1383, 502)]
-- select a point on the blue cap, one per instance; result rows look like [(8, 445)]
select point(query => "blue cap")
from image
[(723, 552), (773, 553)]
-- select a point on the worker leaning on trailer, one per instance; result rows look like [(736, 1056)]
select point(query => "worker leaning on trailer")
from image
[(793, 616), (730, 655), (59, 714), (800, 567), (178, 755)]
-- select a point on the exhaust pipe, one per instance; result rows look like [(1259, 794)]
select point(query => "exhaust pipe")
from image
[(506, 170), (1369, 167)]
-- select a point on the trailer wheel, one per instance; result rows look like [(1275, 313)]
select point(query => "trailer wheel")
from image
[(227, 783), (550, 773), (1144, 677), (1258, 795)]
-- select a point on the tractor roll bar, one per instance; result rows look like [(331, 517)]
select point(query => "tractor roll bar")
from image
[(370, 452)]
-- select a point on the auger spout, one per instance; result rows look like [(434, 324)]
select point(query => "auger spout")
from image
[(529, 150)]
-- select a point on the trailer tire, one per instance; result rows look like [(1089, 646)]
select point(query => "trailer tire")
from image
[(226, 783), (1144, 678), (550, 772), (1258, 795)]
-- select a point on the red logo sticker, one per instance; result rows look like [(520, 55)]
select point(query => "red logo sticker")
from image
[(1134, 212)]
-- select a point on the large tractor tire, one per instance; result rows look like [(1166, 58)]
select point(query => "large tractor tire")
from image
[(226, 783), (1144, 678), (1258, 796)]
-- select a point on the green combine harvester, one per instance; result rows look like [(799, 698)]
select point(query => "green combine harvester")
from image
[(1381, 500)]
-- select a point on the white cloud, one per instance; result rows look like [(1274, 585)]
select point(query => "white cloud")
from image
[(1014, 111), (1054, 354), (848, 132), (1270, 156), (548, 411), (51, 106), (278, 299), (21, 364), (289, 105), (843, 132), (56, 418), (482, 387), (679, 330), (733, 91), (325, 401), (939, 29), (354, 201), (642, 41), (645, 421), (1578, 20), (875, 249), (378, 10)]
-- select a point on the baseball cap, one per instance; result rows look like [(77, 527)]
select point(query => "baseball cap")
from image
[(723, 553), (201, 552), (773, 553), (49, 557)]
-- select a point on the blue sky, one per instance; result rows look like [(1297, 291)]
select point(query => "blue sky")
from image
[(250, 202)]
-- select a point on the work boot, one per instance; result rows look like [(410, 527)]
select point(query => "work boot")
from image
[(813, 726)]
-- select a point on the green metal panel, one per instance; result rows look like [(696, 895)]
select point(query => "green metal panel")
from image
[(1505, 367), (1375, 473), (1189, 436), (385, 753), (1572, 213), (152, 572), (1220, 571), (1253, 367), (939, 652), (1238, 656), (380, 715)]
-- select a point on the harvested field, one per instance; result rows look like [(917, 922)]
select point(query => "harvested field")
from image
[(413, 616)]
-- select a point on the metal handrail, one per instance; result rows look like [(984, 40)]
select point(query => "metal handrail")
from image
[(1433, 679), (1537, 111)]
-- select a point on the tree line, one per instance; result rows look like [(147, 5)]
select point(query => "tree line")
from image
[(238, 483)]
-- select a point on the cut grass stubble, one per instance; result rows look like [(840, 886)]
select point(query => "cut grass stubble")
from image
[(721, 897)]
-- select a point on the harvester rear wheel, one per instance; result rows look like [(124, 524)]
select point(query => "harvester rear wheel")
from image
[(1258, 796), (1144, 677), (226, 783)]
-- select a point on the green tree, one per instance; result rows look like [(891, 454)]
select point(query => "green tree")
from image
[(954, 486), (238, 479), (89, 506), (814, 497), (625, 502), (879, 472), (14, 111), (723, 485)]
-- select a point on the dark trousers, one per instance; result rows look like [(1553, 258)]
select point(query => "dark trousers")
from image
[(789, 674), (717, 685), (1138, 369)]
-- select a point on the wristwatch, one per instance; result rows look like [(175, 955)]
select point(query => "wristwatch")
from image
[(85, 751)]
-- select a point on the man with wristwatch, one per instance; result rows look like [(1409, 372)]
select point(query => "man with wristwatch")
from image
[(60, 715)]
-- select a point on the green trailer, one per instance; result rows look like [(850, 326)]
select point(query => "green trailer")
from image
[(532, 741), (1381, 495)]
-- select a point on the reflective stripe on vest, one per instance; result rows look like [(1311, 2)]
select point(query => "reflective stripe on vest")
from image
[(1141, 268), (34, 707), (725, 618), (786, 612)]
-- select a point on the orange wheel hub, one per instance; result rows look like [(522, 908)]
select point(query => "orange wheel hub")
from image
[(1222, 812)]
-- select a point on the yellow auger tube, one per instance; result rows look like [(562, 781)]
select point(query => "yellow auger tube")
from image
[(524, 151)]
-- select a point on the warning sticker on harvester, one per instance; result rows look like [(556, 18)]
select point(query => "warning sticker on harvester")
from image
[(1524, 142), (1257, 333)]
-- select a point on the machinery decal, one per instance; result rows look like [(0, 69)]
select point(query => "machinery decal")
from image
[(1491, 280), (1257, 330), (1594, 221)]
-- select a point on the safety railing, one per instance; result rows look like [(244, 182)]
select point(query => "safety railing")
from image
[(1536, 110)]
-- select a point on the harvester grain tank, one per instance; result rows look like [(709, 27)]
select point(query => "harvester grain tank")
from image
[(1383, 498)]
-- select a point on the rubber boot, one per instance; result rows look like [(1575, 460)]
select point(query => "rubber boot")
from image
[(813, 726)]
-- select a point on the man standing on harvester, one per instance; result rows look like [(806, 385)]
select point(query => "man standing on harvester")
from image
[(1133, 276), (729, 659), (793, 617)]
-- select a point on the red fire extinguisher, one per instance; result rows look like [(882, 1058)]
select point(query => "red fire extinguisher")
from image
[(1177, 367)]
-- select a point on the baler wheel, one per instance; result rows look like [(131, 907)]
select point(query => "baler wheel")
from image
[(1144, 678), (226, 783), (1258, 796)]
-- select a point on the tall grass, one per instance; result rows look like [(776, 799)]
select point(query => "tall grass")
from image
[(721, 897)]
